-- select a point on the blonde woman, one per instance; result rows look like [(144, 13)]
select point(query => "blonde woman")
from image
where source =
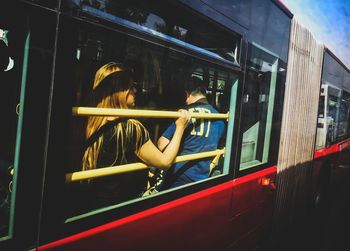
[(114, 141)]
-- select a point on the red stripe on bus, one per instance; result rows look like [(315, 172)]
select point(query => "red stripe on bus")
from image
[(156, 210), (345, 144), (255, 175), (137, 216)]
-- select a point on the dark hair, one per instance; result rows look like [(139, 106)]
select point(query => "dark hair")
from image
[(196, 86)]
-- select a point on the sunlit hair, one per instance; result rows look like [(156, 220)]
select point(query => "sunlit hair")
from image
[(110, 89)]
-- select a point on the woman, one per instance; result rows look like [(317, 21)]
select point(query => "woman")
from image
[(114, 141)]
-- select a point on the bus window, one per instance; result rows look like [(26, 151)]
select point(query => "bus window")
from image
[(332, 116), (258, 106), (333, 112), (166, 20), (344, 112), (160, 77), (11, 111), (53, 4), (321, 120)]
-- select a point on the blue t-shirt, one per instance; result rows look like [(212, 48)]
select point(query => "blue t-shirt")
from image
[(200, 135)]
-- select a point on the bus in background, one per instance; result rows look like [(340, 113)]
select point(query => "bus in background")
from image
[(260, 68), (332, 156)]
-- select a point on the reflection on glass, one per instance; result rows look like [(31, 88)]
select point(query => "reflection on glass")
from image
[(333, 112), (258, 104), (170, 20), (343, 126), (9, 108), (333, 72), (160, 76), (345, 113)]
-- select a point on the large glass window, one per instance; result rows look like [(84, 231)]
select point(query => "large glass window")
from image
[(346, 83), (47, 3), (321, 124), (337, 114), (11, 52), (160, 76), (333, 118), (267, 24), (168, 21), (344, 115), (258, 106), (333, 71), (333, 109)]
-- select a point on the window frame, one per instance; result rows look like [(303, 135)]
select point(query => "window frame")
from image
[(33, 55), (68, 228), (276, 117)]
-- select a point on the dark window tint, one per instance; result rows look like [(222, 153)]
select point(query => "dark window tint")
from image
[(344, 115), (347, 81), (267, 24), (335, 81), (52, 4), (333, 72), (270, 28), (11, 56), (238, 10), (160, 75), (172, 20), (333, 110), (265, 76)]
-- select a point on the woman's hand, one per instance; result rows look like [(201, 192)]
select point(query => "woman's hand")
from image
[(183, 120), (151, 155)]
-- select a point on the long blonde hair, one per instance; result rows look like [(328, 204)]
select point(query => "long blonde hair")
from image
[(110, 89)]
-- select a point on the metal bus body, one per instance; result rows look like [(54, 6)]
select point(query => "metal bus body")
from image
[(239, 48)]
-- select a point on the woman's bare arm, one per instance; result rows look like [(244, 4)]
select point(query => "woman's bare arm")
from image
[(162, 143), (151, 155)]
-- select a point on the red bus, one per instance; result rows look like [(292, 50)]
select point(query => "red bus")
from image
[(261, 68), (332, 158)]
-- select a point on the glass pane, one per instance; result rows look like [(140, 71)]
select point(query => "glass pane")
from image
[(159, 79), (11, 52), (258, 104), (270, 28), (321, 121), (47, 3), (343, 126), (333, 110), (166, 20), (238, 10), (267, 24), (333, 72)]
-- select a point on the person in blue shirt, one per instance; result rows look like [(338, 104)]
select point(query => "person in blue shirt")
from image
[(200, 135)]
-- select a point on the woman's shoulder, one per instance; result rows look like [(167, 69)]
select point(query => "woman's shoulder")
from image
[(130, 126), (134, 123), (137, 129)]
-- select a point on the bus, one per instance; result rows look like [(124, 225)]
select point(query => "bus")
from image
[(283, 96), (331, 158)]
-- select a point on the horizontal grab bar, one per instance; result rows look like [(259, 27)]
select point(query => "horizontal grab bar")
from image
[(92, 111), (106, 171)]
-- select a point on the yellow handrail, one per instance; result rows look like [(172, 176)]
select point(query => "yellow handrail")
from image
[(106, 171), (92, 111), (214, 163)]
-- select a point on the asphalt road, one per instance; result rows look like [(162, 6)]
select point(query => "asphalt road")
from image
[(329, 231)]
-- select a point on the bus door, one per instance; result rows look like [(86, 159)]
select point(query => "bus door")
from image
[(321, 120), (26, 49), (254, 187), (343, 132)]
